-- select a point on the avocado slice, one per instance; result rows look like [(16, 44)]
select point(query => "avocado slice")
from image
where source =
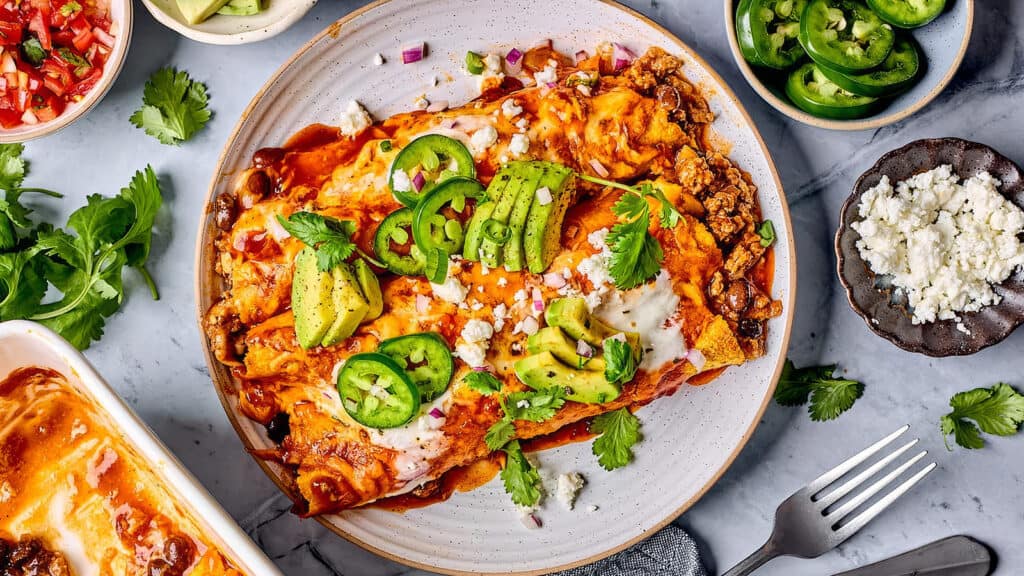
[(545, 371), (563, 348), (349, 306), (195, 11), (543, 234), (575, 319), (241, 8), (549, 176), (522, 186), (474, 231), (311, 299), (370, 287)]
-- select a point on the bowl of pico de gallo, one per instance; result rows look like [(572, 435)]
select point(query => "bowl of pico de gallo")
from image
[(57, 60)]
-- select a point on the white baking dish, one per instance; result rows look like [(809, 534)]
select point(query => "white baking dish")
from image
[(24, 344)]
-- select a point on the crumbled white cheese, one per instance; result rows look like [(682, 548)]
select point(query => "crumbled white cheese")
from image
[(945, 244), (548, 74), (499, 312), (519, 144), (476, 305), (522, 124), (568, 487), (520, 295), (354, 119), (523, 404), (492, 63), (477, 331), (595, 268), (400, 181), (510, 108), (484, 138), (378, 59), (451, 290), (583, 89), (473, 354), (421, 103), (502, 282)]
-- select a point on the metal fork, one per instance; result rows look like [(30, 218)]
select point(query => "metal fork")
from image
[(807, 528)]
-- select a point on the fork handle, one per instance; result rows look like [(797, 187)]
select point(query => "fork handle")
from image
[(759, 558)]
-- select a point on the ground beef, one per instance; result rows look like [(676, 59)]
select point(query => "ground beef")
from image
[(31, 558)]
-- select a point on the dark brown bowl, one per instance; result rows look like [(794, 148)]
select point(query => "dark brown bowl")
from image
[(885, 313)]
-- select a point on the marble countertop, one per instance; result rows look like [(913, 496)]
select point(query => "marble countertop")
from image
[(151, 352)]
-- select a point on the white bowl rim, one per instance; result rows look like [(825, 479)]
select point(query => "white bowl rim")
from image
[(236, 38), (92, 98), (202, 274), (869, 123)]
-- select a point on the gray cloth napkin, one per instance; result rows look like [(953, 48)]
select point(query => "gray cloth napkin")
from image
[(670, 552)]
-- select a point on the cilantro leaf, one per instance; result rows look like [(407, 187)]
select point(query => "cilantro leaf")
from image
[(997, 410), (174, 107), (332, 238), (12, 167), (533, 405), (829, 396), (69, 9), (22, 285), (483, 382), (767, 233), (499, 434), (522, 481), (619, 431), (620, 364), (668, 215), (33, 51)]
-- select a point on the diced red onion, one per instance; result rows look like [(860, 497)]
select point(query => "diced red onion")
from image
[(242, 241), (103, 37), (413, 53), (514, 62), (551, 84), (436, 413), (29, 117), (581, 56), (544, 196), (422, 303), (584, 349), (418, 181), (277, 232), (621, 56), (531, 521), (598, 167), (538, 300), (530, 326), (438, 106), (554, 280), (483, 368), (621, 337), (696, 358)]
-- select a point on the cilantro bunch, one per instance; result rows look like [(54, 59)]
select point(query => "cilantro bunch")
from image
[(636, 254), (85, 267)]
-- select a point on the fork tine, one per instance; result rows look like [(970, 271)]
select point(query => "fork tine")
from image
[(866, 516), (859, 479), (851, 505), (836, 473)]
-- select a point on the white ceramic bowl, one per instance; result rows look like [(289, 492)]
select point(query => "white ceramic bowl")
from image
[(943, 41), (121, 27), (27, 344), (220, 29), (689, 438)]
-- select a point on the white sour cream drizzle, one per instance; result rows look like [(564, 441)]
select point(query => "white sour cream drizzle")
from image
[(650, 310), (418, 442)]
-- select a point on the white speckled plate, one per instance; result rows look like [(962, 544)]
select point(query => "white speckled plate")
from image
[(689, 439)]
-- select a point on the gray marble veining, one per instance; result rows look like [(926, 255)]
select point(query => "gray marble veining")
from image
[(151, 352)]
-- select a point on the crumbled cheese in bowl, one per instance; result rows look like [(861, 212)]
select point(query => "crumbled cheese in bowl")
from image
[(945, 243)]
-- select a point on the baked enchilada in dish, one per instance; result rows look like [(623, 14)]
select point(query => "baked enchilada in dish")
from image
[(407, 297), (77, 499)]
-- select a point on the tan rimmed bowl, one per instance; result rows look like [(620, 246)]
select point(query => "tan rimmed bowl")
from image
[(690, 439), (943, 42), (121, 16), (881, 308)]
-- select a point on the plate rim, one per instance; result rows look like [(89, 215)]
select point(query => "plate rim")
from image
[(224, 382), (869, 123)]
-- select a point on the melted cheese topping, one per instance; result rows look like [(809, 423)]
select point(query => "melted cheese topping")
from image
[(71, 480)]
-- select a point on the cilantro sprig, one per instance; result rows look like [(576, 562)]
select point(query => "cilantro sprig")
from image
[(174, 107), (85, 268), (330, 237), (619, 431), (829, 396), (998, 410), (521, 479), (14, 215), (620, 363), (636, 255), (483, 382)]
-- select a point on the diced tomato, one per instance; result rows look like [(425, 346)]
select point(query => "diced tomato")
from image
[(63, 37), (86, 84), (40, 24), (10, 30), (9, 118), (58, 68), (48, 107), (83, 40), (79, 24)]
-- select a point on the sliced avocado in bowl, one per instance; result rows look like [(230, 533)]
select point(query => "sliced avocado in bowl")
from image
[(543, 370), (195, 11), (312, 303)]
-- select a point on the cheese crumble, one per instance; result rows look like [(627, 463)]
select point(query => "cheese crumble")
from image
[(944, 243), (354, 119)]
